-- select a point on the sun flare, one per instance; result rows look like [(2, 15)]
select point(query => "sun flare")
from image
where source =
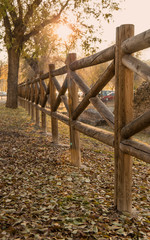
[(63, 32)]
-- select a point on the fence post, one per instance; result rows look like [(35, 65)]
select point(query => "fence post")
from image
[(32, 101), (19, 94), (43, 119), (73, 102), (28, 91), (43, 115), (37, 112), (123, 115), (52, 90), (23, 96), (26, 96)]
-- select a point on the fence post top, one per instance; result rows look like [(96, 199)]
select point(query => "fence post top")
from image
[(126, 25), (51, 66), (71, 57)]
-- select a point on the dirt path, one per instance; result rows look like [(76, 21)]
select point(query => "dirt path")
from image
[(42, 196)]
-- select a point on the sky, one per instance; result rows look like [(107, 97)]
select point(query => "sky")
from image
[(133, 12)]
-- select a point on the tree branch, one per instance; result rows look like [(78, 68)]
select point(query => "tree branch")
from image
[(64, 6), (45, 23), (12, 13), (7, 26), (30, 9), (40, 27), (20, 9)]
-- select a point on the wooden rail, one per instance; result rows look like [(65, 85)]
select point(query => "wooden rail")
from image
[(35, 95)]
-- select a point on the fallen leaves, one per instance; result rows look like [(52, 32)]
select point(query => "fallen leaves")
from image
[(42, 196)]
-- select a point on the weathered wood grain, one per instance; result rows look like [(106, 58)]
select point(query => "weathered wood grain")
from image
[(123, 115), (94, 132), (91, 93), (97, 58), (136, 43), (52, 90), (62, 91), (73, 102), (136, 149), (136, 125)]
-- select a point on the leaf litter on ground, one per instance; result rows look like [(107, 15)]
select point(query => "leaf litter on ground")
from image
[(43, 196)]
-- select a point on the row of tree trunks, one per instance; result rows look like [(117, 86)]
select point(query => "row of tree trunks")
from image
[(137, 66)]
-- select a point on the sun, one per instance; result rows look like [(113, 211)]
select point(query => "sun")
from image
[(63, 32)]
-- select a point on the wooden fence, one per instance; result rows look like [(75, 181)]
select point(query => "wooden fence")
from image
[(34, 94)]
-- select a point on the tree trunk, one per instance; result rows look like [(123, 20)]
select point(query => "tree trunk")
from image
[(12, 81)]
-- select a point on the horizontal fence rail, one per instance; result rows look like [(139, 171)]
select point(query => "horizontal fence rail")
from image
[(45, 94)]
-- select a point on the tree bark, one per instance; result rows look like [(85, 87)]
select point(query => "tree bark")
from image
[(12, 80)]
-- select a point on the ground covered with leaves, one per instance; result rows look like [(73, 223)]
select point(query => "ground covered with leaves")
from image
[(42, 196)]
